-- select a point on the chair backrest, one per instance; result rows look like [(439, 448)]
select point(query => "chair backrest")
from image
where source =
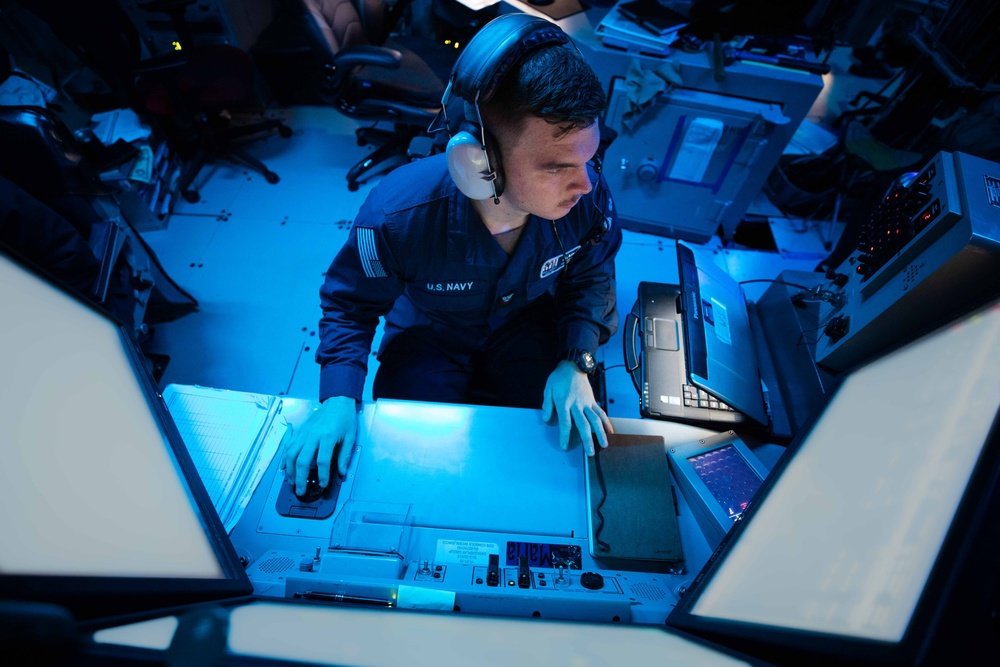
[(377, 18), (332, 25)]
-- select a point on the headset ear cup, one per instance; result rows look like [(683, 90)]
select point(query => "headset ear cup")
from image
[(470, 166), (467, 164)]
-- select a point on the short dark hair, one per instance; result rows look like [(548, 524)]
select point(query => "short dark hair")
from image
[(554, 83)]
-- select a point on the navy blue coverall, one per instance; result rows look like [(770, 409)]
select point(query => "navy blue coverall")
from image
[(420, 255)]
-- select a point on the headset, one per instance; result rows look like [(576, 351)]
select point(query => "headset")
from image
[(473, 155), (472, 152)]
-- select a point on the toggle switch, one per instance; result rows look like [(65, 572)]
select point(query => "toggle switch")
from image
[(493, 571), (523, 573)]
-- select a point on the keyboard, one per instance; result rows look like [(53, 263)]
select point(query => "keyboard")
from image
[(699, 398)]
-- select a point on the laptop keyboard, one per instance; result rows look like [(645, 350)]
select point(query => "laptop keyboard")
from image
[(699, 398)]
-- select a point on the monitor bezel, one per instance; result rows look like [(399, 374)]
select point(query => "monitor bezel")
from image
[(947, 582), (94, 597)]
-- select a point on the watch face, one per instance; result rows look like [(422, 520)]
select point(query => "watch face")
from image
[(586, 362)]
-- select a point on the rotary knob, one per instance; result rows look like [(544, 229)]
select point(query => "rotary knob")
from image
[(648, 170)]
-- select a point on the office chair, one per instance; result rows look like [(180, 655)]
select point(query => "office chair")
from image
[(372, 76), (194, 95), (187, 94)]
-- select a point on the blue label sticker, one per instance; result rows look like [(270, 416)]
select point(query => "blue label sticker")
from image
[(993, 190)]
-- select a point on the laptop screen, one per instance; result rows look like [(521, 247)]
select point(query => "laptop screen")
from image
[(720, 349), (92, 483), (845, 537)]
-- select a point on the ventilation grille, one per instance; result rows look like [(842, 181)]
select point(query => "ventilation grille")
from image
[(276, 564), (648, 592)]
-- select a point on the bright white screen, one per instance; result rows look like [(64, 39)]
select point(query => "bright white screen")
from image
[(88, 485), (847, 537), (389, 639)]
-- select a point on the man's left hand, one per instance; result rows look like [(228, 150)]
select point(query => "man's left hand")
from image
[(569, 397)]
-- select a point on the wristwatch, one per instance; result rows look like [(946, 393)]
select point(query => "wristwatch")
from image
[(583, 359)]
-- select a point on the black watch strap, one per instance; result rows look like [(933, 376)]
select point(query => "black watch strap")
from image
[(583, 359)]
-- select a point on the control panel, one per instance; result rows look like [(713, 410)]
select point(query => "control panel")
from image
[(519, 591), (461, 508), (908, 219), (688, 162), (930, 249)]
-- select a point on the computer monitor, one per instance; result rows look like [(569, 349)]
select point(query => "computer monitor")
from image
[(862, 547), (101, 510)]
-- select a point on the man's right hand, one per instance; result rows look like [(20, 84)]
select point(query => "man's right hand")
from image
[(330, 430)]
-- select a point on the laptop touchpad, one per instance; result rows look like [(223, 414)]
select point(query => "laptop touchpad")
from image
[(665, 334)]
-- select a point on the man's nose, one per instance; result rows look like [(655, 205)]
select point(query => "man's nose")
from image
[(582, 182)]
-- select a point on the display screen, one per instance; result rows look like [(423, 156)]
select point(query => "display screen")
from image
[(89, 484), (845, 539), (729, 478), (545, 555)]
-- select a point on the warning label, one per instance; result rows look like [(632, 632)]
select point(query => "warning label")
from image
[(722, 329), (465, 553)]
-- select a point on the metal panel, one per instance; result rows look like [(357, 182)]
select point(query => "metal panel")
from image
[(951, 263)]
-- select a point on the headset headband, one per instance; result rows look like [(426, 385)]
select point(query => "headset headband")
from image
[(498, 46)]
